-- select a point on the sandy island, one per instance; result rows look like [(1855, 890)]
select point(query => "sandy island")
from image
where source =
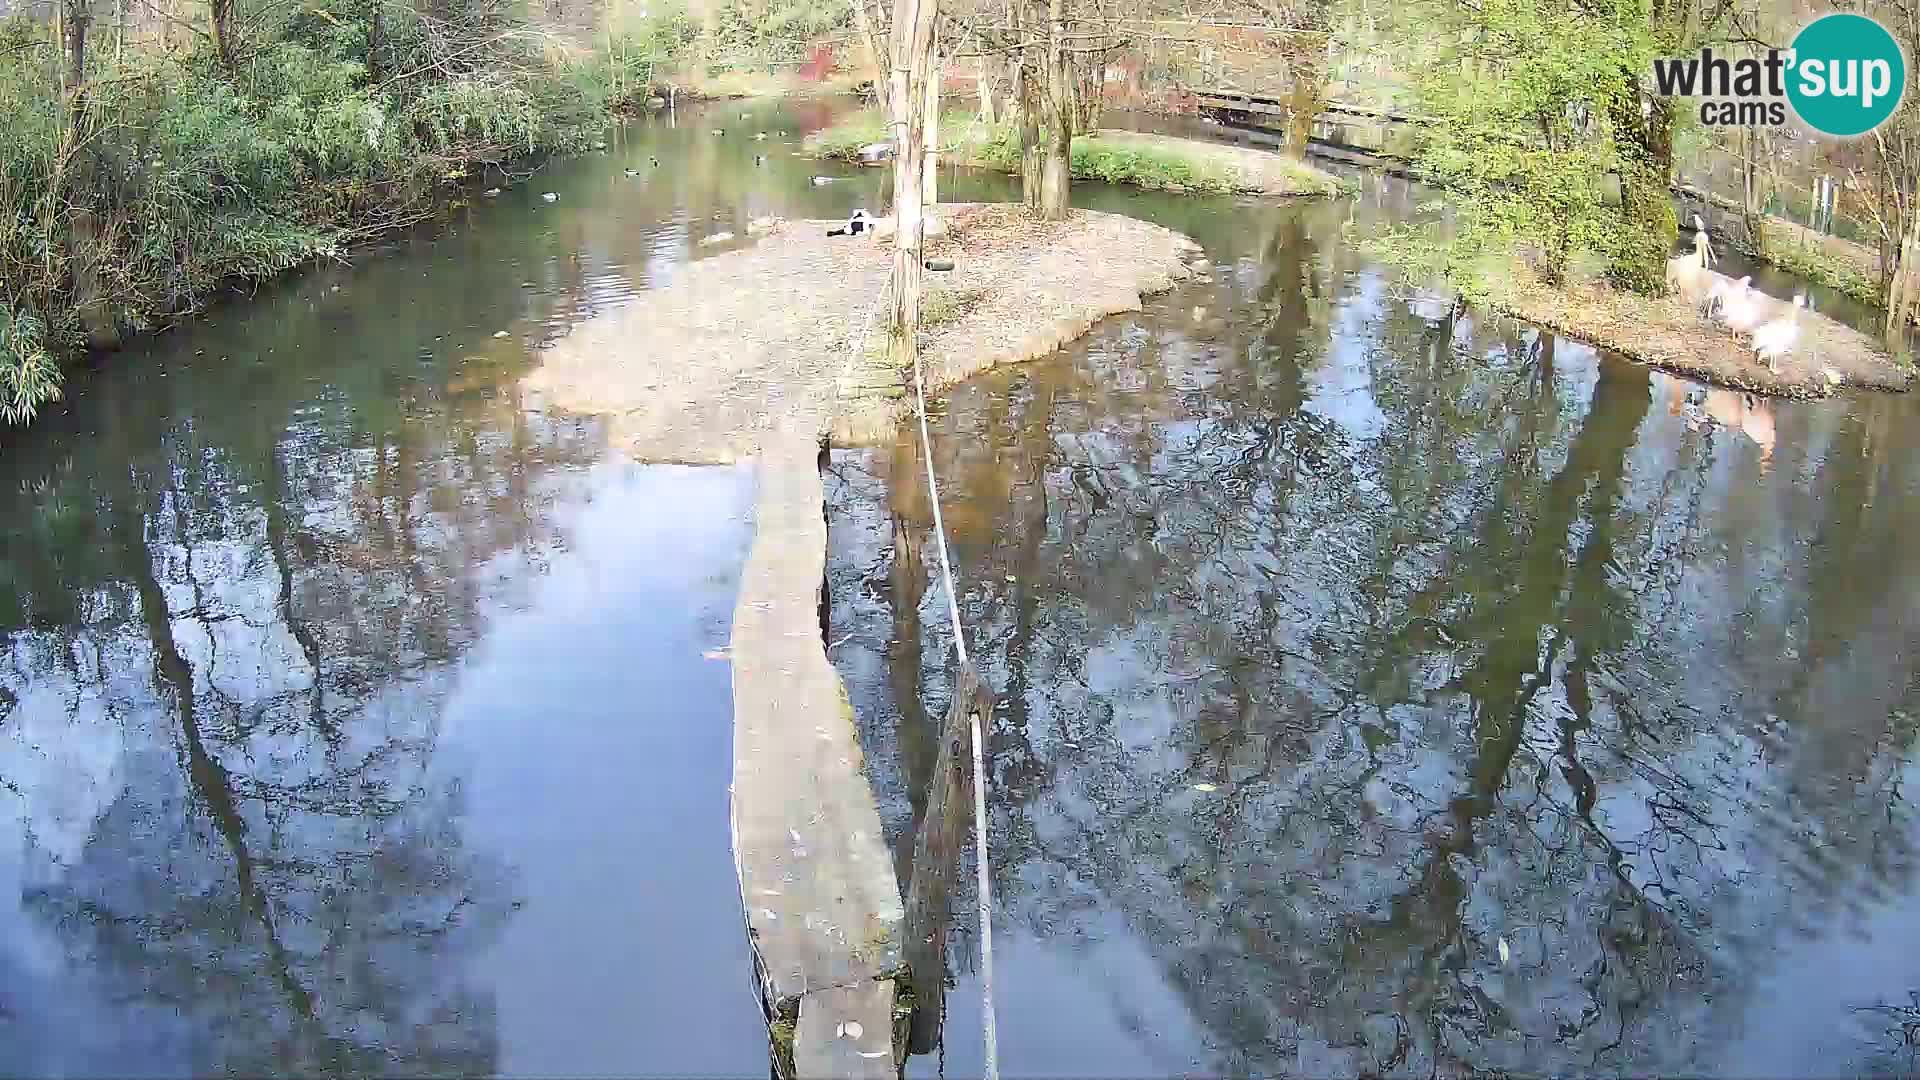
[(755, 339), (1669, 334)]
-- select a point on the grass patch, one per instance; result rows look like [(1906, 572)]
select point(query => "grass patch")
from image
[(1823, 266), (943, 305), (1154, 168)]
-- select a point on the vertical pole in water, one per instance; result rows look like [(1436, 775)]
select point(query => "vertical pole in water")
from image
[(913, 32), (982, 867), (992, 1033)]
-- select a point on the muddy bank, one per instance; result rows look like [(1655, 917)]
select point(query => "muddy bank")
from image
[(703, 369), (1669, 334)]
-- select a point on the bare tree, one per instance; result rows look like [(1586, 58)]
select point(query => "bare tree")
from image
[(1056, 176), (912, 53), (1894, 192), (222, 18), (874, 39), (930, 135)]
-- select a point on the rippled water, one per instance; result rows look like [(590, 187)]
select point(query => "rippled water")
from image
[(357, 715), (1388, 690)]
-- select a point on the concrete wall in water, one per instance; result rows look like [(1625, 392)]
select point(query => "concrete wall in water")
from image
[(823, 909)]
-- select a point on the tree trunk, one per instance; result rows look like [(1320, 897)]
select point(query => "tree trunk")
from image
[(1089, 92), (876, 56), (76, 16), (1638, 261), (223, 34), (1026, 102), (1903, 292), (1027, 96), (930, 144), (377, 36), (984, 80), (912, 45), (1750, 215), (1306, 96), (73, 180), (1056, 175), (936, 858)]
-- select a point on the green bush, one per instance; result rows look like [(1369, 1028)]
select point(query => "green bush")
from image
[(1826, 268), (773, 31), (29, 376), (1143, 166), (186, 176), (843, 139)]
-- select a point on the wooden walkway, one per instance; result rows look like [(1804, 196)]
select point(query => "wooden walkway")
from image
[(1251, 104)]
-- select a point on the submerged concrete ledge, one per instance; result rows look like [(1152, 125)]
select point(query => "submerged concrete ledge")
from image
[(748, 353), (823, 909)]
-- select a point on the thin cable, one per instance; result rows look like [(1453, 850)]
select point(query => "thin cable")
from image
[(858, 343), (982, 868), (933, 494)]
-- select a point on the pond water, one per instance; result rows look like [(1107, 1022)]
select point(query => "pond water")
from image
[(358, 715), (1386, 690)]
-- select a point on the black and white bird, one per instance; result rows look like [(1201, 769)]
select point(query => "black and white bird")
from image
[(860, 222), (821, 181)]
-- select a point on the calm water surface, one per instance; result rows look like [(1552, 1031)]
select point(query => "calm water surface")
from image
[(1387, 690), (357, 714)]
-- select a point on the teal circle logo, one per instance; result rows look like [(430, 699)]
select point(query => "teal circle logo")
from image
[(1847, 75)]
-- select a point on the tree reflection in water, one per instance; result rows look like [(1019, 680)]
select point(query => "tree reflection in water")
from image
[(1348, 641), (229, 633)]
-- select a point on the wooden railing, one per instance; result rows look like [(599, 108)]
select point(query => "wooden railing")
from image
[(1238, 101)]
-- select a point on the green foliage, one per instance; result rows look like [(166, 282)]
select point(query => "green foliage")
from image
[(29, 376), (843, 139), (621, 72), (772, 29), (1528, 96), (1151, 167), (174, 176), (1834, 271)]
